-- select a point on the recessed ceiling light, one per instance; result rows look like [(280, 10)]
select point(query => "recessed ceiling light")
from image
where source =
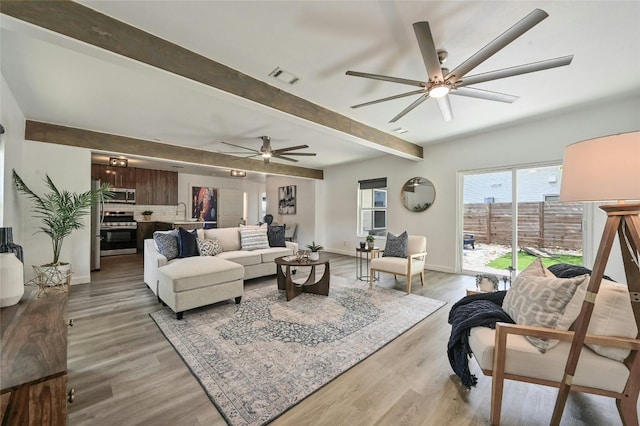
[(400, 130), (284, 76)]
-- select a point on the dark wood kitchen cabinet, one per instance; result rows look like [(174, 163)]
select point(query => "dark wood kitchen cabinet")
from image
[(119, 177), (145, 231), (34, 360), (156, 187)]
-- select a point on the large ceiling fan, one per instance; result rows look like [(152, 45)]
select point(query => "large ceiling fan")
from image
[(442, 82), (266, 152)]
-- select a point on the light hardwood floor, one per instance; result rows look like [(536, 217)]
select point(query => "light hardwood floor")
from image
[(126, 373)]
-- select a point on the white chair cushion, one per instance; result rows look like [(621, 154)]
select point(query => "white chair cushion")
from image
[(523, 359), (612, 316), (396, 265)]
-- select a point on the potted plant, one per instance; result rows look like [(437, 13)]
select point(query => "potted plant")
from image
[(61, 213), (370, 240), (314, 248), (147, 214)]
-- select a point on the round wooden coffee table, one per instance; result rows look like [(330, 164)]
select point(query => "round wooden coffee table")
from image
[(293, 289)]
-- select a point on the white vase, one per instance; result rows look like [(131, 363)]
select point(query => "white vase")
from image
[(314, 255), (11, 279)]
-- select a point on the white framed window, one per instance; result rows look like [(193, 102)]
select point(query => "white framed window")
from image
[(372, 207)]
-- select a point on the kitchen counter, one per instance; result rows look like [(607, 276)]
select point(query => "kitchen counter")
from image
[(189, 224)]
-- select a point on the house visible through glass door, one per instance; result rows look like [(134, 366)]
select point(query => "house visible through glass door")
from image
[(543, 226)]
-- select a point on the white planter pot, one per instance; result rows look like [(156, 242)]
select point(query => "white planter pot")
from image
[(314, 255), (11, 279)]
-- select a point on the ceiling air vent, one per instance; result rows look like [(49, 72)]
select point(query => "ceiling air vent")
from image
[(284, 76)]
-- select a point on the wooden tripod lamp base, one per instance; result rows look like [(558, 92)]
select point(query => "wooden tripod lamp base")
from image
[(607, 168)]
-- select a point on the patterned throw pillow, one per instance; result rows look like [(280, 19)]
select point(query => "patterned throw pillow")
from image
[(167, 243), (275, 235), (396, 245), (253, 238), (209, 247), (540, 300), (187, 246)]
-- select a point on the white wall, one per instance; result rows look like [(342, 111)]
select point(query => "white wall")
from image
[(11, 146), (253, 190), (539, 141), (305, 217), (70, 169)]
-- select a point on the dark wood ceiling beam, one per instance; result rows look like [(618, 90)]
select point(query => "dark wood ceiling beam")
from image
[(82, 23), (62, 135)]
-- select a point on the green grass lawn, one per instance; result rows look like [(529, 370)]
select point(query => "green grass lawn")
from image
[(525, 259)]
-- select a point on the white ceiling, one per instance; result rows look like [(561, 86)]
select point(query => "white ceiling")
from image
[(63, 81)]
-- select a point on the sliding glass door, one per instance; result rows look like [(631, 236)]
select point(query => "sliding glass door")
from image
[(514, 215)]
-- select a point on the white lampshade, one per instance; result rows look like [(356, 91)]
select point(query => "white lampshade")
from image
[(602, 169)]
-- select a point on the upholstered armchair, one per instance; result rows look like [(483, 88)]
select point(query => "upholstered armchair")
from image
[(413, 264), (535, 349)]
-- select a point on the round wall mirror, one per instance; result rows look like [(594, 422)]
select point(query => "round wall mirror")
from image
[(418, 194)]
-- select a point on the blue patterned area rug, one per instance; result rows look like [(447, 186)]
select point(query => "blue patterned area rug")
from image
[(260, 358)]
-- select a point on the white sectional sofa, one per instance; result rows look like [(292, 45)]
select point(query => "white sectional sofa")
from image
[(187, 283)]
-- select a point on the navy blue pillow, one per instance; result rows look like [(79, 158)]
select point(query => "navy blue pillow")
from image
[(275, 235), (187, 245)]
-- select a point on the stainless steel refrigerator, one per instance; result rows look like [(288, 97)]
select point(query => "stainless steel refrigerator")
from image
[(96, 219)]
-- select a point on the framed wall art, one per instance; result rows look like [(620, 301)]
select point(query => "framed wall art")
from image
[(287, 199), (204, 204)]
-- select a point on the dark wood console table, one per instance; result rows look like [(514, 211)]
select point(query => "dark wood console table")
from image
[(34, 360)]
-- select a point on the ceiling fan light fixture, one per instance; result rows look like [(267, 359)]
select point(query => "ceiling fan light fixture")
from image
[(266, 154), (439, 91)]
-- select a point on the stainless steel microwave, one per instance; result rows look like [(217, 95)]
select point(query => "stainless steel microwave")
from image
[(122, 195)]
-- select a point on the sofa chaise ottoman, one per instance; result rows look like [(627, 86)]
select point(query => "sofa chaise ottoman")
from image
[(199, 281)]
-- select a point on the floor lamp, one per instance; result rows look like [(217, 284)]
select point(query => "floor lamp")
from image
[(604, 169)]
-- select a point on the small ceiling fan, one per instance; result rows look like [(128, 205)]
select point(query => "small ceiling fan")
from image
[(266, 152), (442, 82)]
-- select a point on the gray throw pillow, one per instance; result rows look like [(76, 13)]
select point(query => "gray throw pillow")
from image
[(396, 245), (167, 243), (540, 300)]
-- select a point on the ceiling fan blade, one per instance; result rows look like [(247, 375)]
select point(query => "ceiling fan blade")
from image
[(428, 51), (517, 70), (387, 78), (291, 148), (240, 154), (415, 92), (308, 154), (521, 27), (414, 104), (283, 158), (445, 107), (472, 92), (238, 146)]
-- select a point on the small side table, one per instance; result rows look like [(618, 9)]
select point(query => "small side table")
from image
[(363, 256)]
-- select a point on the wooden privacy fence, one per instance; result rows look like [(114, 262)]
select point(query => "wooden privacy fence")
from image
[(540, 224)]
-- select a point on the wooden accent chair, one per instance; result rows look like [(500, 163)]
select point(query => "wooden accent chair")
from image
[(504, 353), (411, 265)]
